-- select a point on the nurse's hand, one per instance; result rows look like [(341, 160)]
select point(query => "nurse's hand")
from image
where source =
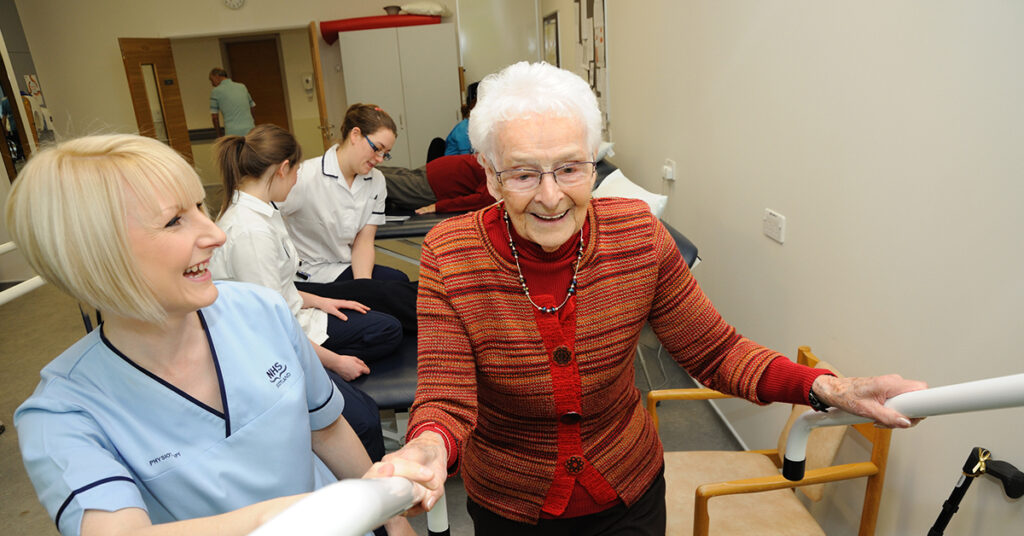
[(426, 457), (333, 307), (348, 367)]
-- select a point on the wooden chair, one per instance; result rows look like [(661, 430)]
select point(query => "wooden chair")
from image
[(751, 496)]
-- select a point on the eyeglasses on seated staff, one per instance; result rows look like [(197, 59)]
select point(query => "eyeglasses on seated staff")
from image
[(380, 152), (525, 179)]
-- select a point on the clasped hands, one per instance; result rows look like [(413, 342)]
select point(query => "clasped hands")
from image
[(422, 460)]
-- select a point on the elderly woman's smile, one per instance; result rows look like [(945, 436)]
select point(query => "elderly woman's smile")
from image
[(550, 214)]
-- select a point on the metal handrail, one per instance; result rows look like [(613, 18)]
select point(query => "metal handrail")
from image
[(351, 508), (978, 395), (22, 288)]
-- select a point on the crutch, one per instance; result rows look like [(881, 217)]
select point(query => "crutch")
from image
[(978, 463)]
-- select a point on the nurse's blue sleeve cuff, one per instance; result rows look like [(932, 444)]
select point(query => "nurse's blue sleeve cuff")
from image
[(322, 416)]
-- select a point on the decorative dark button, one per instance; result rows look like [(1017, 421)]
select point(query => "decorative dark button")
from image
[(570, 417), (574, 465), (562, 356)]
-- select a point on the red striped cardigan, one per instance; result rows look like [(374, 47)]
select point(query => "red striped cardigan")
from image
[(485, 375)]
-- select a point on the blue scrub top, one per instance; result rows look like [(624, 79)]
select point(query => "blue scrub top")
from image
[(100, 432), (457, 141)]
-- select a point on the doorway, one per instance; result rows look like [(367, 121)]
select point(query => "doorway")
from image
[(256, 62), (153, 85)]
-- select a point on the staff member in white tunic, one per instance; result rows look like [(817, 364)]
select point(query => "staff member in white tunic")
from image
[(195, 408), (258, 170), (333, 212)]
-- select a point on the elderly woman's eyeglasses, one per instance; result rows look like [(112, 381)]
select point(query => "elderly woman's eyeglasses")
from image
[(380, 152), (525, 180)]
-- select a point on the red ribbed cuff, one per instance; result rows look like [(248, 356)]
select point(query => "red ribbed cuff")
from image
[(449, 441), (786, 381)]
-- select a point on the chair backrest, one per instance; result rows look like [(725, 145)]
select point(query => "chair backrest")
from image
[(435, 149)]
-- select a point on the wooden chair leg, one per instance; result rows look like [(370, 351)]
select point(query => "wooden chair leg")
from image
[(701, 519)]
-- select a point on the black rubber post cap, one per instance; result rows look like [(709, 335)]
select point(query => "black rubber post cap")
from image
[(793, 470)]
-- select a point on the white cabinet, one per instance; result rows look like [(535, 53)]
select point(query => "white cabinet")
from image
[(412, 73)]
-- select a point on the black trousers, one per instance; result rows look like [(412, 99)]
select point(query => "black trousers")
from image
[(645, 518), (395, 298), (370, 336)]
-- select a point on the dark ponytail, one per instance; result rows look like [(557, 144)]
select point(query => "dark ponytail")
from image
[(368, 117), (251, 155)]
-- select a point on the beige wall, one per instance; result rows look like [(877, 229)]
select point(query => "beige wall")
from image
[(497, 33), (568, 32), (888, 134)]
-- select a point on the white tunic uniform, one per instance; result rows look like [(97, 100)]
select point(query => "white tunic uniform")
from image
[(323, 214), (100, 432), (258, 250)]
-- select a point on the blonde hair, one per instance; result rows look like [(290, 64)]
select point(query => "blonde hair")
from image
[(67, 212)]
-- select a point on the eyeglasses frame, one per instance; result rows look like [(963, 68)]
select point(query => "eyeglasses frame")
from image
[(540, 179), (385, 156)]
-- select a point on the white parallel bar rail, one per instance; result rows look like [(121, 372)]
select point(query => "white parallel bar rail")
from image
[(980, 395), (22, 288), (348, 508)]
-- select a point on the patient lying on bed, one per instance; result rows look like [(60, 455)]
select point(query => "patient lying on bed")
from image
[(455, 183)]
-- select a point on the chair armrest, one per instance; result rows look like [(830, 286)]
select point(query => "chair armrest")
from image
[(705, 492), (696, 393)]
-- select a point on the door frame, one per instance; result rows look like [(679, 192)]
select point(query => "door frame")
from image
[(138, 51), (318, 84)]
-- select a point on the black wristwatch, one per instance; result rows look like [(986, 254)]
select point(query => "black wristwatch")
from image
[(816, 405)]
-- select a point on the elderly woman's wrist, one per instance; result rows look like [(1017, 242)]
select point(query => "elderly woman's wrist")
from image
[(824, 392)]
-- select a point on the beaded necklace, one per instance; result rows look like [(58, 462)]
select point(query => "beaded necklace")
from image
[(522, 280)]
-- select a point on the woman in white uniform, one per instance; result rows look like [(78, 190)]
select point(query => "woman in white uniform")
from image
[(259, 170), (194, 403), (333, 212)]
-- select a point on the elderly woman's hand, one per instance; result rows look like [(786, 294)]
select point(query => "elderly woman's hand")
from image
[(426, 459), (866, 396)]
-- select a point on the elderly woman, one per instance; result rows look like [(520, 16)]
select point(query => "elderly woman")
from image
[(163, 418), (530, 312)]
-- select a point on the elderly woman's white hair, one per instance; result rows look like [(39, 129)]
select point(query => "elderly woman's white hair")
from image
[(66, 211), (528, 89)]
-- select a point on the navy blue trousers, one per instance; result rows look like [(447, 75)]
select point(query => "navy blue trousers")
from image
[(362, 415)]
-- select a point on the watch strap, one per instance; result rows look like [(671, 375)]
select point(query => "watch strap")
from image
[(815, 403)]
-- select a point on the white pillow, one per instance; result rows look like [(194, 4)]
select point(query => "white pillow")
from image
[(617, 185), (605, 150), (425, 8)]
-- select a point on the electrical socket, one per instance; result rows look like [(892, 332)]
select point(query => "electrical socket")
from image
[(773, 225), (668, 171)]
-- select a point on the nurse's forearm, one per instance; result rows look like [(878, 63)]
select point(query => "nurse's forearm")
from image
[(339, 447), (363, 254), (136, 522)]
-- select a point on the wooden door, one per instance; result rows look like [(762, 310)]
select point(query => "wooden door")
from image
[(373, 74), (257, 64), (318, 84), (153, 84)]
